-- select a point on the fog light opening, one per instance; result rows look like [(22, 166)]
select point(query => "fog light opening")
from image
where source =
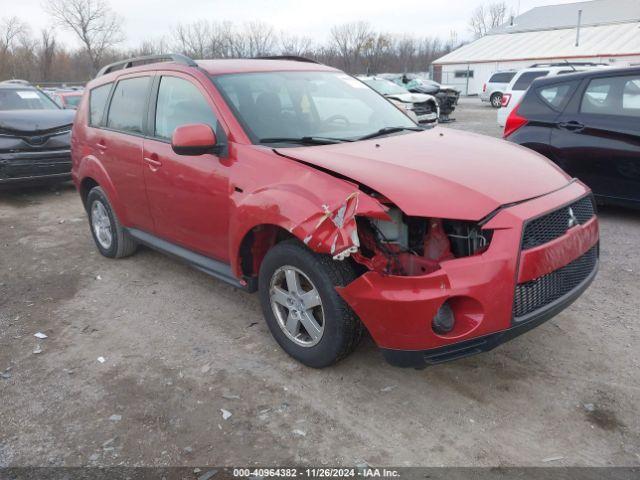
[(444, 320)]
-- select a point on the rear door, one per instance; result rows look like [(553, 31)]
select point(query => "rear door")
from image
[(118, 143), (188, 195), (597, 138), (541, 106)]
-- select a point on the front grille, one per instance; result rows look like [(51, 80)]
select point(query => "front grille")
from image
[(538, 293), (423, 108), (555, 224)]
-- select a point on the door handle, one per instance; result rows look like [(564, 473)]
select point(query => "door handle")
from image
[(153, 162), (572, 126), (101, 146)]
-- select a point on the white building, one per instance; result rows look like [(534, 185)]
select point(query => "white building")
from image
[(601, 31)]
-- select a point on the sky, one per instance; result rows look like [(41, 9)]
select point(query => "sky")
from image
[(149, 19)]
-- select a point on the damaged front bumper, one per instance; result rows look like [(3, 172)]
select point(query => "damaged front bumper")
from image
[(398, 310), (35, 166)]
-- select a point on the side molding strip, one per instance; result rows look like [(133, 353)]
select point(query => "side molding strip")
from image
[(207, 265)]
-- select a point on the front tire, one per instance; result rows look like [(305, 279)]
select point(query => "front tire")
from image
[(303, 311), (112, 240)]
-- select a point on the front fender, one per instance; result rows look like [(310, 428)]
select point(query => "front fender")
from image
[(326, 224)]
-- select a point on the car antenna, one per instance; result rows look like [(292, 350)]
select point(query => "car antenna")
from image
[(572, 67)]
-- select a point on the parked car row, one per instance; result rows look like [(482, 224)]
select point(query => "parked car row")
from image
[(447, 96), (69, 99), (295, 180), (420, 107)]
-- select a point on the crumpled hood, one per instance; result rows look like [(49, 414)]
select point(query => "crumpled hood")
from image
[(35, 121), (440, 172), (411, 97)]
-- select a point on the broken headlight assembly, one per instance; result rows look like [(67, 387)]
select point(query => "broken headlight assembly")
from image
[(409, 246)]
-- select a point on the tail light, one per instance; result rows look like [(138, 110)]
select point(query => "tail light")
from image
[(484, 88), (514, 122), (506, 98)]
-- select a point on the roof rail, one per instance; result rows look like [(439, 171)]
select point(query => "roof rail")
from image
[(293, 58), (132, 62)]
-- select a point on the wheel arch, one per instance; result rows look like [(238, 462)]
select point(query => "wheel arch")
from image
[(92, 174)]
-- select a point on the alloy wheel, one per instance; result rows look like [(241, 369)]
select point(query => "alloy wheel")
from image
[(297, 306), (101, 224)]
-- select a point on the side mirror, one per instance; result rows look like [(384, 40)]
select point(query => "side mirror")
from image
[(193, 139)]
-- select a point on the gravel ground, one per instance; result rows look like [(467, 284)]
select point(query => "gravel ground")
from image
[(179, 347)]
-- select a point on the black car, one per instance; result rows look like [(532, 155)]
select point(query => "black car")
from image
[(35, 136), (589, 124)]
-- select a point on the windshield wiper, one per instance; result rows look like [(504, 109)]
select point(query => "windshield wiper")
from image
[(304, 140), (388, 130)]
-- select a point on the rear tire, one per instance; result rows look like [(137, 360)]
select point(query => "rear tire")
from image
[(293, 278), (496, 100), (112, 240)]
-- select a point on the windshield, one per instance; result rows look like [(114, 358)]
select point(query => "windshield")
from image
[(293, 105), (27, 99), (385, 87)]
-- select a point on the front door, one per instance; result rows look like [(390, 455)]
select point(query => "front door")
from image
[(597, 138), (188, 195)]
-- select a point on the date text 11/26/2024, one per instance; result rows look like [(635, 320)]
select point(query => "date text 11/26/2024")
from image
[(366, 472)]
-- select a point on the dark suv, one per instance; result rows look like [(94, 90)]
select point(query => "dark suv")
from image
[(297, 180), (35, 136), (589, 124)]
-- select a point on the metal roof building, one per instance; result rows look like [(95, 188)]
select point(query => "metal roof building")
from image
[(603, 31)]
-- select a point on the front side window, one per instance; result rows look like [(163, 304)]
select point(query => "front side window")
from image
[(128, 103), (307, 104), (619, 96), (25, 99), (97, 103), (179, 103), (524, 80)]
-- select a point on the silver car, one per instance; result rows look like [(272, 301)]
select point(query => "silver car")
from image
[(496, 85)]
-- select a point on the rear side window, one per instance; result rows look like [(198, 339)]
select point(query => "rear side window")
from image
[(504, 77), (179, 103), (556, 96), (97, 103), (128, 104), (619, 96), (524, 80)]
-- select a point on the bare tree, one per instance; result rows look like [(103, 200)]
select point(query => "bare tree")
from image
[(12, 29), (260, 39), (486, 17), (94, 23), (350, 41), (296, 46), (46, 53), (355, 47)]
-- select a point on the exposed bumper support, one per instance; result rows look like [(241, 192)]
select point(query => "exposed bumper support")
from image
[(424, 358)]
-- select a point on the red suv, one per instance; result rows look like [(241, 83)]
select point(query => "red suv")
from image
[(296, 180)]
